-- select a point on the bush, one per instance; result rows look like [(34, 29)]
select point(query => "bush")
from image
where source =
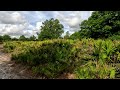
[(50, 57), (9, 46), (93, 70), (114, 37), (82, 51)]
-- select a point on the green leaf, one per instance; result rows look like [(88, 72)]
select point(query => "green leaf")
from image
[(112, 74)]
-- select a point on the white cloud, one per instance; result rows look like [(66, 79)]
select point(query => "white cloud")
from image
[(7, 17), (72, 18), (38, 24), (30, 27), (16, 23), (12, 29), (74, 21)]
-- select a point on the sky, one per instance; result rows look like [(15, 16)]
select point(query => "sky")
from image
[(16, 23)]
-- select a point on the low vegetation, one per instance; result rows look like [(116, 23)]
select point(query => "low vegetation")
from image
[(87, 58), (93, 52)]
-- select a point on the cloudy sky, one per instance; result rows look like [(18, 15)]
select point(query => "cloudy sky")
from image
[(16, 23)]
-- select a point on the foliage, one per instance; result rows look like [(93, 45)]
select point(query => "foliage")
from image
[(101, 24), (32, 38), (103, 50), (82, 51), (114, 37), (6, 37), (93, 70), (51, 58), (51, 29), (22, 38), (14, 39), (1, 38), (67, 35), (75, 35), (9, 46)]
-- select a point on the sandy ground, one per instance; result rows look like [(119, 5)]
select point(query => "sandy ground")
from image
[(8, 68)]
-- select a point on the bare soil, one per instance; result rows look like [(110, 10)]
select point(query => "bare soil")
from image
[(10, 70)]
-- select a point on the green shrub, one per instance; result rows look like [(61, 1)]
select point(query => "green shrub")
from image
[(103, 50), (50, 57), (82, 52), (9, 46), (93, 70), (114, 37)]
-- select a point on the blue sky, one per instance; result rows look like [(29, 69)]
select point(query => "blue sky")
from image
[(16, 23)]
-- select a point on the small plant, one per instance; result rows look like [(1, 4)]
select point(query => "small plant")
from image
[(93, 70), (103, 50), (114, 37)]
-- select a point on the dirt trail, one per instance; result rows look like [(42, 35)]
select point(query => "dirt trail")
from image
[(8, 68)]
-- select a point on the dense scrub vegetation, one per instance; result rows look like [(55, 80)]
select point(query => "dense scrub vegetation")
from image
[(93, 52), (49, 58), (87, 58)]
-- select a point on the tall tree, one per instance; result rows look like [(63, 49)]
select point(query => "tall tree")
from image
[(1, 38), (6, 37), (51, 29), (14, 39), (67, 35), (101, 24), (75, 35), (32, 38), (22, 38)]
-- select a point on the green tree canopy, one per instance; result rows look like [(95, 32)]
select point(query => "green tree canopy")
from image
[(67, 35), (75, 35), (6, 37), (101, 24), (51, 29), (32, 38), (1, 38), (14, 39), (22, 38)]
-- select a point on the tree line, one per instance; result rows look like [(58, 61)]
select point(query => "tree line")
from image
[(21, 38), (101, 24)]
